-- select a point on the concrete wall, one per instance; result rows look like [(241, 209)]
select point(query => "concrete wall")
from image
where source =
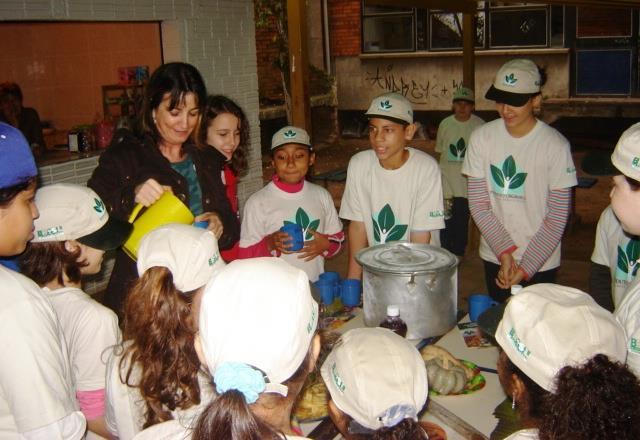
[(429, 81)]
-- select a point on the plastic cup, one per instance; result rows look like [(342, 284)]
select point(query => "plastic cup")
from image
[(326, 289), (478, 303), (333, 277), (295, 232), (201, 224), (350, 292)]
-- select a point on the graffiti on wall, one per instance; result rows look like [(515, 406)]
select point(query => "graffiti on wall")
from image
[(416, 91)]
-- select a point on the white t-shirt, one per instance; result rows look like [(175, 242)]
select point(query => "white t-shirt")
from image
[(174, 430), (90, 329), (628, 315), (125, 407), (519, 173), (451, 143), (36, 385), (618, 251), (312, 208), (393, 203), (524, 434)]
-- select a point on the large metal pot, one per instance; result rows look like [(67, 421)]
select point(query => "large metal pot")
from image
[(420, 279)]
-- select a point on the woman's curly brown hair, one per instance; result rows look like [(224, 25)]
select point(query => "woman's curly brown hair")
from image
[(599, 399), (158, 342)]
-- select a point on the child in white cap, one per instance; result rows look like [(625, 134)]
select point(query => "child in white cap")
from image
[(37, 396), (71, 236), (377, 383), (451, 143), (289, 198), (154, 374), (562, 362), (520, 173), (625, 202), (393, 192), (258, 339)]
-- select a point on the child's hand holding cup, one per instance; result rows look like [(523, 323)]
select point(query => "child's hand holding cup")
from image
[(296, 238)]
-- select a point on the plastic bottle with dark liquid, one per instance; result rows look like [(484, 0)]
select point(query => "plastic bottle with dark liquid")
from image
[(393, 321)]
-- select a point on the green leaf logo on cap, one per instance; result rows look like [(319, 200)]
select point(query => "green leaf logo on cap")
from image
[(385, 105), (510, 80), (289, 134), (99, 206), (635, 162)]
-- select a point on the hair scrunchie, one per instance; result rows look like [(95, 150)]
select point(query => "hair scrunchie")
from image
[(240, 377)]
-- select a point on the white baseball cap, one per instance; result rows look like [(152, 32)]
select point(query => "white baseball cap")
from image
[(516, 81), (190, 253), (463, 94), (546, 327), (391, 106), (626, 155), (258, 313), (75, 212), (376, 377), (290, 135)]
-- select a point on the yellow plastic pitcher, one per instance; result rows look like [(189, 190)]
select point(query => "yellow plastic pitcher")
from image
[(167, 209)]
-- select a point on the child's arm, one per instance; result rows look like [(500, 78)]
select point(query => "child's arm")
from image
[(322, 244), (423, 237), (357, 241), (270, 246)]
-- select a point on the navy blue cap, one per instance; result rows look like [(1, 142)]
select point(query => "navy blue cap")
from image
[(16, 160)]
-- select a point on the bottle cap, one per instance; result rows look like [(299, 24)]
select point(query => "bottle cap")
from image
[(515, 289), (393, 311)]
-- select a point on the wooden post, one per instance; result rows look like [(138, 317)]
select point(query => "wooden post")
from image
[(298, 64), (468, 51)]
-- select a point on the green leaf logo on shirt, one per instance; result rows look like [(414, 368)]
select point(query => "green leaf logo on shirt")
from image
[(507, 179), (385, 228), (302, 219), (458, 151), (627, 266)]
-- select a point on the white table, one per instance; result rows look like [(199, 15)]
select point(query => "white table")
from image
[(471, 413)]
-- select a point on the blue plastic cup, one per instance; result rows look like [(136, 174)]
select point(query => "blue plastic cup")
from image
[(478, 303), (295, 232), (350, 292), (203, 224), (333, 277), (326, 289)]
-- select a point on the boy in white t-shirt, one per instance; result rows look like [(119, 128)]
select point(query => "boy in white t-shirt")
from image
[(71, 236), (625, 202), (37, 398), (520, 173), (392, 192), (614, 259), (451, 143), (289, 198)]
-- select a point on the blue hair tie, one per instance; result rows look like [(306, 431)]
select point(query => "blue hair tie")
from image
[(240, 377)]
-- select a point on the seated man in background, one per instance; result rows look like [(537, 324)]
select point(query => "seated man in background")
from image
[(26, 119)]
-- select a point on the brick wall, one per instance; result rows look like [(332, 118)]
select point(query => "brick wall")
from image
[(269, 78), (345, 27)]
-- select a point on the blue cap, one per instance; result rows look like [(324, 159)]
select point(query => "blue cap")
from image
[(16, 160)]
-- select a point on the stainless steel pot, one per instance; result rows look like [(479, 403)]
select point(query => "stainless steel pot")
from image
[(420, 279)]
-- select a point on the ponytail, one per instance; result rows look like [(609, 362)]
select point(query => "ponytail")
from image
[(598, 399), (158, 343), (229, 416), (408, 429)]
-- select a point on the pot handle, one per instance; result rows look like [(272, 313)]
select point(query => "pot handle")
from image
[(411, 285)]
